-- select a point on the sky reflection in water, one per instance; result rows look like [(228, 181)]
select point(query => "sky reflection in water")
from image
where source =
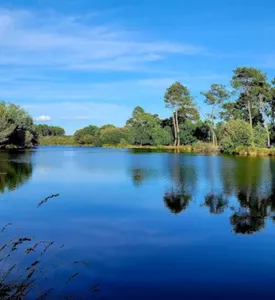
[(150, 225)]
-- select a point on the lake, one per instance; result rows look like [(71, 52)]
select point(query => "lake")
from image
[(143, 225)]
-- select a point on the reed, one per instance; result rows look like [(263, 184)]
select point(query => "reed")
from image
[(23, 271)]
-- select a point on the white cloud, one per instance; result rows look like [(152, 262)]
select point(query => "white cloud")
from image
[(31, 39), (42, 118)]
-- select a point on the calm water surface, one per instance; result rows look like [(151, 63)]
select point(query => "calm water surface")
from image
[(147, 225)]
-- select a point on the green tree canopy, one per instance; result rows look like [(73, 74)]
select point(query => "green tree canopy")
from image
[(145, 129), (236, 133), (87, 135), (16, 127), (113, 135), (46, 130), (214, 97), (244, 81), (178, 98)]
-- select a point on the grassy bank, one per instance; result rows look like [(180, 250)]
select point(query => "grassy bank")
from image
[(57, 141), (253, 151), (69, 141), (196, 148)]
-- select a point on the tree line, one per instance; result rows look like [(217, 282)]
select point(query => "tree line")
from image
[(46, 130), (242, 114)]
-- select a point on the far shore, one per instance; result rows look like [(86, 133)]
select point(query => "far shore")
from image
[(205, 148)]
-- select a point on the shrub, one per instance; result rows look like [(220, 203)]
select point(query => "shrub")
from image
[(235, 133), (161, 136), (80, 135), (260, 136), (205, 147), (112, 135), (187, 133)]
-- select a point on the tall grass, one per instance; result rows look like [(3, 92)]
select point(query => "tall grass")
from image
[(25, 274), (254, 151), (57, 141)]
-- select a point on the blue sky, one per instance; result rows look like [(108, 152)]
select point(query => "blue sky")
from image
[(91, 62)]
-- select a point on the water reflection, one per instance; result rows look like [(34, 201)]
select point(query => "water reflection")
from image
[(15, 170), (176, 201), (216, 203), (242, 188)]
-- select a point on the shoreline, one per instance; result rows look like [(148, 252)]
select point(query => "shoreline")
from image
[(204, 148)]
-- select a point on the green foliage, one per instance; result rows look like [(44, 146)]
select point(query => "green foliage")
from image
[(187, 133), (145, 129), (272, 133), (12, 173), (113, 135), (246, 118), (14, 114), (161, 136), (216, 95), (46, 130), (235, 133), (16, 127), (245, 78), (202, 131), (260, 136), (86, 134), (178, 97), (57, 140), (204, 147), (249, 82), (123, 143)]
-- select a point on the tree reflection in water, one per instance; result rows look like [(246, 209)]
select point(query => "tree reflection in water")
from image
[(217, 203), (15, 170), (176, 201), (245, 185)]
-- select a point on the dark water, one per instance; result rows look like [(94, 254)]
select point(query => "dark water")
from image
[(147, 225)]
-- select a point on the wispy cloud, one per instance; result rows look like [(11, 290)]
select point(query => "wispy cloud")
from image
[(31, 39), (116, 91)]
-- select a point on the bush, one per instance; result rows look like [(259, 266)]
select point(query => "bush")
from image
[(57, 140), (235, 133), (113, 135), (161, 136), (16, 127), (205, 147), (202, 132), (123, 143), (253, 151), (187, 133), (81, 135), (260, 136)]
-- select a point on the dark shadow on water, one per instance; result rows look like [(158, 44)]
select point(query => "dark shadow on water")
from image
[(15, 170)]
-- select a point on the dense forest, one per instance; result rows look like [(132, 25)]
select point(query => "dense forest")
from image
[(241, 119)]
